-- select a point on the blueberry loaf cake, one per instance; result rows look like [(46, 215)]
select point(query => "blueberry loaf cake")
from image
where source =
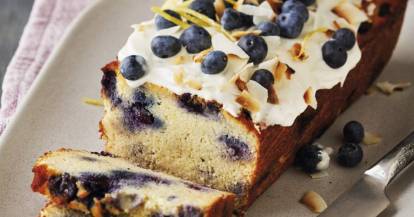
[(101, 185), (224, 92)]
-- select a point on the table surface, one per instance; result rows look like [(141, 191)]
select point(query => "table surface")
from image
[(13, 17)]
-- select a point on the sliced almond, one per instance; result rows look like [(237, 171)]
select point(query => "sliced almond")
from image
[(314, 202), (241, 85), (350, 12), (280, 71), (239, 34), (371, 139), (248, 102), (200, 56), (194, 84), (389, 88), (179, 76), (220, 7)]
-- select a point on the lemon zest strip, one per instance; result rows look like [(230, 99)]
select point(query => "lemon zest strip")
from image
[(170, 18), (94, 102)]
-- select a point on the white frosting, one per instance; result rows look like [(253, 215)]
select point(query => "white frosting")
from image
[(310, 74), (324, 163)]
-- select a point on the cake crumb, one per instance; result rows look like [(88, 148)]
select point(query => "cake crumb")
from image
[(389, 88), (314, 202), (319, 175), (371, 139)]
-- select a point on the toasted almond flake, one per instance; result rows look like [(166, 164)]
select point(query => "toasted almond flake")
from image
[(314, 202), (272, 99), (248, 102), (194, 84), (280, 71), (307, 96), (371, 138), (179, 76), (389, 88), (82, 192), (350, 12), (198, 58), (241, 85), (241, 33), (94, 102), (319, 175), (289, 72), (301, 54), (220, 7)]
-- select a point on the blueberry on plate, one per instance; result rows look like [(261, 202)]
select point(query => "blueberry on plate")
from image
[(345, 37), (214, 63), (195, 39), (133, 67), (297, 7), (264, 77), (334, 54), (164, 46), (255, 46), (162, 23), (290, 24), (233, 19), (204, 7), (350, 155), (353, 132), (269, 28), (308, 158)]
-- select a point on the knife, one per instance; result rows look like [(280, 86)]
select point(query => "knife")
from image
[(367, 198)]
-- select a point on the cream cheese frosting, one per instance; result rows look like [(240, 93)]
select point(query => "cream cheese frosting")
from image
[(182, 73)]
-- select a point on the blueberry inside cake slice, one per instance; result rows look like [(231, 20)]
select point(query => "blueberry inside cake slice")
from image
[(223, 93), (101, 185)]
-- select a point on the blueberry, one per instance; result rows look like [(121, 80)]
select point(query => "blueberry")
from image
[(350, 155), (263, 77), (205, 7), (345, 37), (334, 54), (162, 23), (133, 67), (254, 46), (353, 132), (308, 158), (165, 46), (195, 39), (63, 186), (235, 148), (214, 63), (297, 7), (308, 2), (291, 24), (268, 28), (233, 19)]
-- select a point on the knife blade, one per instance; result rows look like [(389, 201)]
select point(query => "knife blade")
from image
[(367, 198)]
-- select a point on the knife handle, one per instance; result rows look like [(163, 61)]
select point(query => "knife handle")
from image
[(394, 162)]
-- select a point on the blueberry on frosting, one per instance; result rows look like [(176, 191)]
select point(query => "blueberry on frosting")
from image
[(195, 39), (165, 46), (233, 19), (297, 7), (268, 28), (345, 37), (291, 24), (205, 7), (214, 63), (133, 67), (162, 23), (264, 77), (255, 46), (334, 54)]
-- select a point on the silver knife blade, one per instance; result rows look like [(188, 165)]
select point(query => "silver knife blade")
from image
[(367, 197)]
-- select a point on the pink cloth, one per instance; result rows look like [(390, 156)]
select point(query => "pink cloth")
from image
[(47, 23)]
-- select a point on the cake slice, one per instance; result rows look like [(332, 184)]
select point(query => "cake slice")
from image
[(100, 185), (224, 94)]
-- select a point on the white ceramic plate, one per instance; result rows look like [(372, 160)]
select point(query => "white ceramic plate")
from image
[(53, 115)]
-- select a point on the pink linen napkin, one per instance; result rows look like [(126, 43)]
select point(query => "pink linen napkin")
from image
[(47, 22)]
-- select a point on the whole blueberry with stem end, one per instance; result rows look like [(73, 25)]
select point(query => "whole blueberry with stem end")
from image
[(255, 46), (133, 67), (269, 28), (290, 24), (165, 46), (353, 132), (195, 39), (214, 63), (264, 77), (334, 54), (204, 7), (233, 19), (345, 37)]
